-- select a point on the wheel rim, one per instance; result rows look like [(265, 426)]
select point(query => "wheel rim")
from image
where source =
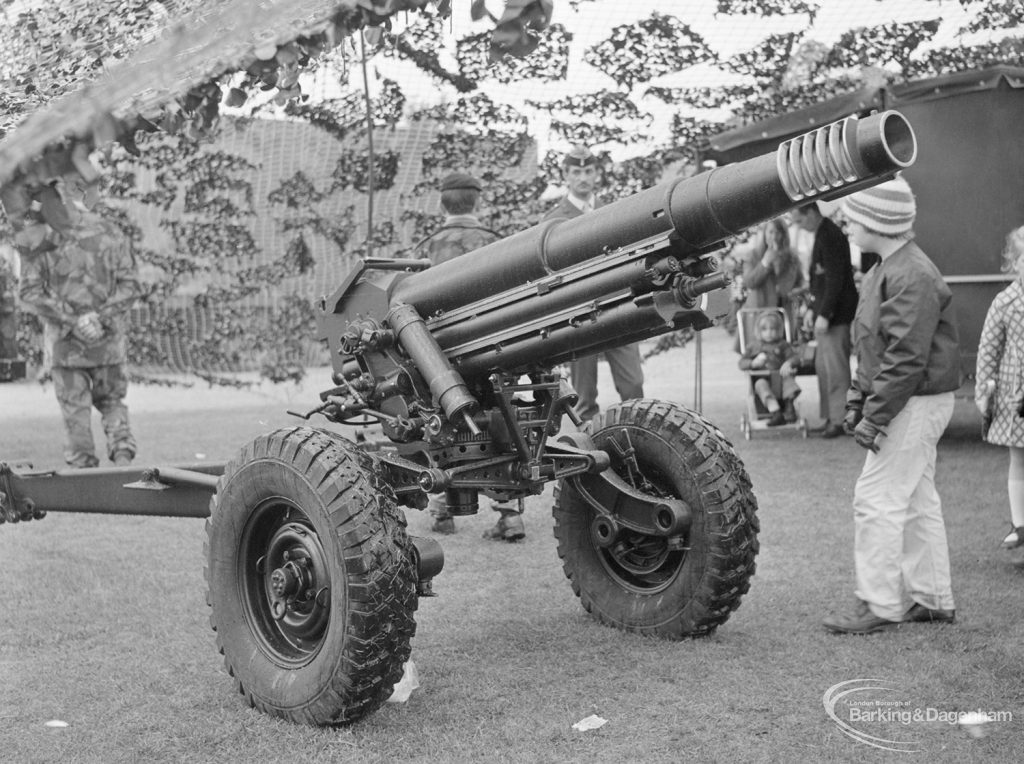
[(639, 562), (285, 582)]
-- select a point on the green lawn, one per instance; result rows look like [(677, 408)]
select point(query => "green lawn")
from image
[(104, 625)]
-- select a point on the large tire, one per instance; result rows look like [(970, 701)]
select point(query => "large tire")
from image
[(300, 513), (647, 585)]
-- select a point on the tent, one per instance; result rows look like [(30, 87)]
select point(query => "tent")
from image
[(968, 177)]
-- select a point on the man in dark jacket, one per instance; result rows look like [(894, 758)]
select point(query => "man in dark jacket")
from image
[(580, 168), (908, 365), (833, 302)]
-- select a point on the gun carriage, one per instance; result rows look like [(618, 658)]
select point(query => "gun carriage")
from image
[(312, 577)]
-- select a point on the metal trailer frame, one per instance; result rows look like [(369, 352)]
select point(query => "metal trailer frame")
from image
[(182, 491)]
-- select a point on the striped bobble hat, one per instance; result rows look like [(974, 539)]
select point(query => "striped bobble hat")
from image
[(888, 208)]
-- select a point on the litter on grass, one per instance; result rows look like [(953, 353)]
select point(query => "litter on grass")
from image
[(974, 724), (592, 722), (56, 724), (410, 681)]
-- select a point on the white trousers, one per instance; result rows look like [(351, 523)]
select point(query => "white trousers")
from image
[(900, 550)]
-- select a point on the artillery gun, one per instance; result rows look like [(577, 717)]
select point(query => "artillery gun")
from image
[(312, 578)]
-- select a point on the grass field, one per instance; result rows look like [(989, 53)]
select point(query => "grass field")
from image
[(103, 622)]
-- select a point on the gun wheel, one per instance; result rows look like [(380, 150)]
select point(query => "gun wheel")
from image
[(654, 585), (311, 579)]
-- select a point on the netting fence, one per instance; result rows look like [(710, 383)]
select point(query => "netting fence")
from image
[(238, 238)]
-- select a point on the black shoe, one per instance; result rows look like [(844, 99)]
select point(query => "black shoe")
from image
[(920, 613), (508, 528), (789, 411), (832, 431), (122, 458), (861, 621), (777, 418)]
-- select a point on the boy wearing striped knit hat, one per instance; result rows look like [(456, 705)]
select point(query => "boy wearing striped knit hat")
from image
[(908, 365)]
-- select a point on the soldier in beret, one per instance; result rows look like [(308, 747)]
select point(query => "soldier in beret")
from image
[(78, 276), (580, 169), (462, 231)]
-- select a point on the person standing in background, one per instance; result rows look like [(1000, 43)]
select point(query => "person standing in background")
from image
[(580, 169), (1000, 371), (462, 232), (772, 274), (833, 301), (8, 305), (80, 280)]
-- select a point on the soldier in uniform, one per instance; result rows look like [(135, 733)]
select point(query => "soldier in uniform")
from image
[(8, 305), (580, 168), (78, 276), (462, 232)]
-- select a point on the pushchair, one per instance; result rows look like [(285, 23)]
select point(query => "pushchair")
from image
[(756, 416)]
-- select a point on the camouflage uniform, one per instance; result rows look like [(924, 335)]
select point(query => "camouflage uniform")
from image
[(8, 310), (459, 234), (90, 270)]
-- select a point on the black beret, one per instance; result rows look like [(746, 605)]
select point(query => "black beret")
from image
[(579, 157), (460, 180)]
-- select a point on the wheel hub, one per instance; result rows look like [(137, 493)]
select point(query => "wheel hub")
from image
[(641, 556), (643, 543), (286, 583)]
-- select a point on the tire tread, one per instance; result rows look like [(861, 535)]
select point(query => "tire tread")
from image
[(369, 531), (732, 525)]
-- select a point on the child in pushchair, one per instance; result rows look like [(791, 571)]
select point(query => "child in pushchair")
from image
[(772, 363)]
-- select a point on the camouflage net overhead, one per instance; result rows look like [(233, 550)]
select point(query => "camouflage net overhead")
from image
[(239, 222), (192, 124)]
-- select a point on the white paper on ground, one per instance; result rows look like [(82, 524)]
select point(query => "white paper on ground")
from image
[(592, 722), (410, 681), (974, 724)]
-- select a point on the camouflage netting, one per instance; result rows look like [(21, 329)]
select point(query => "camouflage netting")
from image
[(241, 235), (208, 130), (239, 222)]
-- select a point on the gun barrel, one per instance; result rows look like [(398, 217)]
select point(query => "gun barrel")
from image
[(699, 212), (623, 273)]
